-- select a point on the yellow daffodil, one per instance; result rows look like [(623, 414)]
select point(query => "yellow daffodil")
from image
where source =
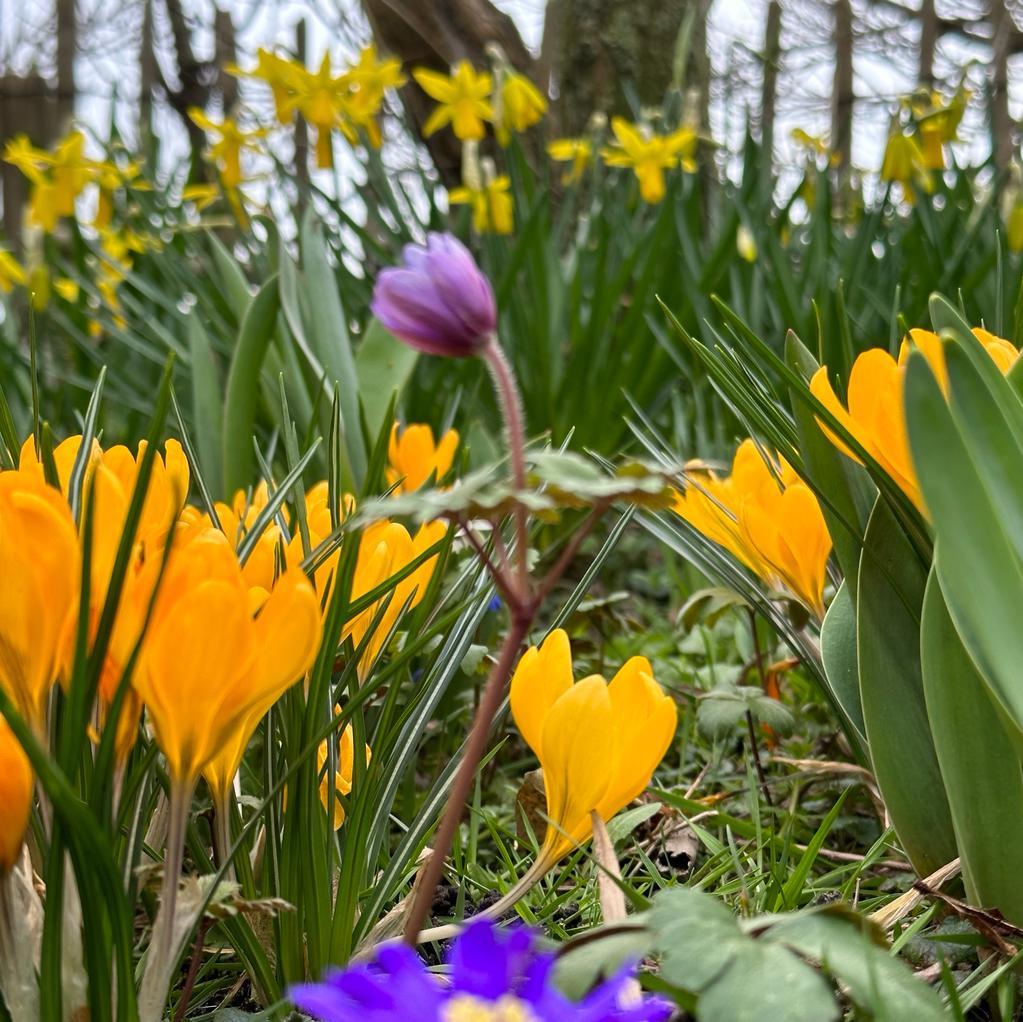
[(491, 203), (209, 661), (904, 163), (367, 82), (323, 100), (463, 99), (650, 155), (67, 289), (15, 797), (576, 151), (11, 272), (414, 457), (384, 549), (57, 176), (201, 195), (598, 743), (518, 106), (230, 141), (765, 517), (875, 415), (39, 568), (282, 75)]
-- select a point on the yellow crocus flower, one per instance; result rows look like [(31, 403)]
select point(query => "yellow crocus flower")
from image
[(491, 203), (11, 272), (414, 457), (343, 776), (650, 155), (384, 549), (519, 106), (875, 413), (39, 566), (576, 151), (15, 797), (463, 98), (230, 140), (209, 661), (766, 518), (598, 743)]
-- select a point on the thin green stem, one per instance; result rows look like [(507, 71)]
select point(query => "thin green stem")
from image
[(163, 948)]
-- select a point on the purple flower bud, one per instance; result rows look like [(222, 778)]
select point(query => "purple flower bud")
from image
[(439, 301)]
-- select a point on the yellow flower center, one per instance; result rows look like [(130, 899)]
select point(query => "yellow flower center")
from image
[(467, 1008)]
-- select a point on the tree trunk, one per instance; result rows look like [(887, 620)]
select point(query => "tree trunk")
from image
[(67, 42), (928, 43), (438, 34), (1002, 142), (301, 128), (769, 89), (604, 47), (843, 96), (149, 76)]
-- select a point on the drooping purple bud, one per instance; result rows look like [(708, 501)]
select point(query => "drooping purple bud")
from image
[(439, 301)]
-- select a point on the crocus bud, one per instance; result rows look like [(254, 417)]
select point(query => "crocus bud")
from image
[(439, 301)]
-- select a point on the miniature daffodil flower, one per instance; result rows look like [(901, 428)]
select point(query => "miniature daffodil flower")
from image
[(491, 204), (904, 163), (767, 518), (209, 662), (576, 151), (230, 141), (875, 413), (11, 272), (367, 82), (414, 457), (283, 76), (15, 797), (39, 565), (322, 99), (650, 155), (518, 107), (201, 195), (598, 743), (463, 99)]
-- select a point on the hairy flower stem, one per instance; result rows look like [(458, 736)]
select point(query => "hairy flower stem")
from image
[(163, 950), (493, 695), (511, 409)]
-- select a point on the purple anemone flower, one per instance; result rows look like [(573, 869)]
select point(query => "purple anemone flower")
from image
[(494, 975), (439, 300)]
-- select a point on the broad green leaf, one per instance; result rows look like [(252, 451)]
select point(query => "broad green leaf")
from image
[(243, 387), (327, 333), (978, 762), (975, 547), (877, 982), (889, 601), (207, 404), (838, 651), (384, 365)]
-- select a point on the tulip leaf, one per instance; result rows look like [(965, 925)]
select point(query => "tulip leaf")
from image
[(243, 386), (978, 762), (234, 286), (384, 365), (973, 537), (328, 337), (207, 404), (838, 651), (888, 606)]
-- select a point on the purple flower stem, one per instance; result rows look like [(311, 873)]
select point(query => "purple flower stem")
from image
[(511, 409)]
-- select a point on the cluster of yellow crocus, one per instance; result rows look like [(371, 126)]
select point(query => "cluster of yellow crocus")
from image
[(349, 101), (598, 743), (875, 414), (766, 517)]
